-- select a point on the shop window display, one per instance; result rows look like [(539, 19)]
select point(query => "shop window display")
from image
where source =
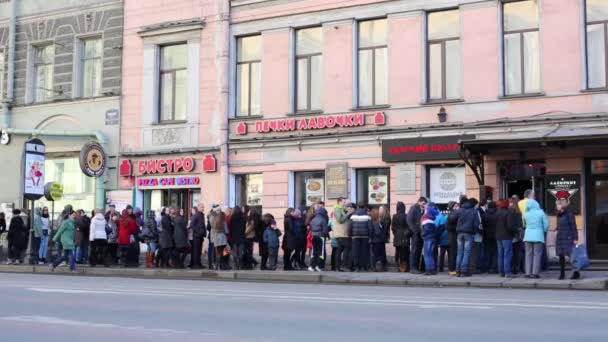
[(310, 188), (373, 186)]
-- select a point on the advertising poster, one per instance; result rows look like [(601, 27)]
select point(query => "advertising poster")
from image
[(34, 174), (378, 189), (563, 187), (447, 184), (255, 190), (314, 190)]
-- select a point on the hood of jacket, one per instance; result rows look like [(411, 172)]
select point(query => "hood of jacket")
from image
[(532, 205), (400, 207), (361, 212), (38, 211), (321, 212), (98, 218), (468, 205)]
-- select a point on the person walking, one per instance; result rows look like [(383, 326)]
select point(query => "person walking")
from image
[(401, 238), (467, 223), (342, 234), (37, 238), (361, 228), (506, 230), (536, 224), (429, 236), (98, 238), (197, 225), (180, 238), (271, 239), (319, 229), (66, 235), (165, 240), (567, 238), (489, 240), (414, 219), (238, 225), (127, 228), (17, 238), (385, 220), (289, 240), (150, 237)]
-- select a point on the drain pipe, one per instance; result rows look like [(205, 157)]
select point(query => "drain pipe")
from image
[(100, 182), (10, 77), (224, 16)]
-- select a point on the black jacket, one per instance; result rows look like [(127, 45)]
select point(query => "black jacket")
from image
[(414, 219), (289, 238), (237, 228), (180, 232), (165, 237), (319, 224), (452, 222), (386, 225), (506, 224), (401, 231), (361, 224), (378, 234), (488, 221), (17, 233), (197, 224), (467, 219)]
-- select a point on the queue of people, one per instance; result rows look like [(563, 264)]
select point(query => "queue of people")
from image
[(506, 237)]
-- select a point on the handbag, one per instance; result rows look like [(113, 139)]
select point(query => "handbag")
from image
[(580, 259)]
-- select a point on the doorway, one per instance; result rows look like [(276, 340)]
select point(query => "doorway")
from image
[(597, 209), (519, 176)]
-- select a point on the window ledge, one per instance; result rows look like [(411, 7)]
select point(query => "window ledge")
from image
[(167, 123), (246, 118), (520, 96), (594, 90), (440, 102), (363, 108), (310, 112)]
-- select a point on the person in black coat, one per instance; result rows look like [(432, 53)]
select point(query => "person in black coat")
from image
[(567, 237), (197, 225), (401, 238), (489, 240), (165, 238), (180, 238), (506, 230), (237, 236), (414, 220), (17, 238), (289, 240), (452, 236)]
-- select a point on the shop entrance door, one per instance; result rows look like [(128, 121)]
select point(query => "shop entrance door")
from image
[(517, 177), (597, 217)]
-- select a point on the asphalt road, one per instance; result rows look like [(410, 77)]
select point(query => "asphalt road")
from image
[(63, 308)]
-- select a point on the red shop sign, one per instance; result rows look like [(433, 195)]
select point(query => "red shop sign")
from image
[(169, 165), (311, 123)]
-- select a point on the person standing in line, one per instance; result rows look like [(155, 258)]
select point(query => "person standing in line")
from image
[(219, 235), (489, 237), (44, 239), (319, 229), (443, 244), (262, 246), (385, 220), (467, 224), (523, 204), (519, 251), (414, 219), (506, 229), (37, 239), (111, 212), (127, 228), (401, 238), (112, 247), (66, 235), (271, 238), (361, 228), (180, 238), (452, 237), (289, 240), (253, 221), (98, 238), (429, 236), (165, 239), (83, 224), (150, 236), (377, 240), (197, 226), (567, 237), (340, 231), (537, 224), (17, 238), (237, 237)]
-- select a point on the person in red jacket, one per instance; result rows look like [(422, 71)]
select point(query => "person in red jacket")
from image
[(127, 228)]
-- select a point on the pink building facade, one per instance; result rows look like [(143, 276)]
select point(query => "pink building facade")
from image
[(387, 101), (174, 103)]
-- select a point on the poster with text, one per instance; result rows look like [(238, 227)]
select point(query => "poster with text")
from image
[(255, 190), (314, 190), (447, 184), (378, 190), (34, 174)]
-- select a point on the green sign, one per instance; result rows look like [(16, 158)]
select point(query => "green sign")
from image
[(53, 191)]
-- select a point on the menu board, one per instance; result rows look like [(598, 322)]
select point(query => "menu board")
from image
[(378, 189), (336, 180), (314, 190), (255, 189)]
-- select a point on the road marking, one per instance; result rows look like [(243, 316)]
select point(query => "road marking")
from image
[(74, 291)]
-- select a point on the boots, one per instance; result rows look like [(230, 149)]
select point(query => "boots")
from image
[(404, 267), (576, 275), (150, 260), (562, 275)]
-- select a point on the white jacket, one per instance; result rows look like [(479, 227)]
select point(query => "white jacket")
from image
[(98, 228)]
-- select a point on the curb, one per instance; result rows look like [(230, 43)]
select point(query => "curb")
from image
[(329, 278)]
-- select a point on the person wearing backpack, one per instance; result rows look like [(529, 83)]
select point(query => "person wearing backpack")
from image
[(567, 237)]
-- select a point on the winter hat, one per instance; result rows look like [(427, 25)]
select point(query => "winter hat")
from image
[(430, 213)]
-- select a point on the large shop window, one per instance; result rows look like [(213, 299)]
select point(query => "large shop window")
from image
[(309, 72), (310, 188), (78, 189), (521, 48), (250, 191), (446, 184), (173, 82), (444, 62), (249, 76), (373, 186), (597, 45), (373, 63)]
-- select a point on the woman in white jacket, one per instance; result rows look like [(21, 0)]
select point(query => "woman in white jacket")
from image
[(98, 237)]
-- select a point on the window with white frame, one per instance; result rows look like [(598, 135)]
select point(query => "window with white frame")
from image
[(373, 63), (173, 82), (444, 56), (521, 45), (2, 74), (309, 69), (249, 76), (597, 43), (44, 57), (91, 63)]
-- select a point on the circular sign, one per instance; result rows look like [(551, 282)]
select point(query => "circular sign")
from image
[(448, 181), (93, 160), (53, 191)]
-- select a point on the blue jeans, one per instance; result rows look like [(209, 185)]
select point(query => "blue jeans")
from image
[(82, 252), (68, 256), (505, 253), (44, 247), (465, 244), (429, 258)]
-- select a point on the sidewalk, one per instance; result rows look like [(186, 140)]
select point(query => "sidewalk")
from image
[(590, 281)]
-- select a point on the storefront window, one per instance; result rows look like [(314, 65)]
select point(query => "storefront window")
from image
[(310, 188), (373, 186), (250, 190), (78, 189)]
